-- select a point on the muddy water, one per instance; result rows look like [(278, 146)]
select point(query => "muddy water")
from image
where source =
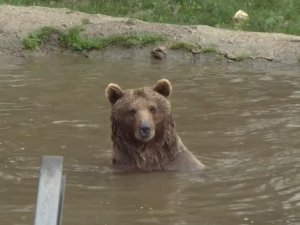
[(242, 121)]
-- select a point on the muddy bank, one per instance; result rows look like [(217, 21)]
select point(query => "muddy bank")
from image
[(17, 22)]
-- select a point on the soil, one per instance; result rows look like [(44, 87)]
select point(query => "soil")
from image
[(17, 22)]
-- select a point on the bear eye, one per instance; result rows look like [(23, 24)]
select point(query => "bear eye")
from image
[(132, 112), (152, 109)]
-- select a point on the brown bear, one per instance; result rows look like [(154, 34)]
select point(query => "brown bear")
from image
[(144, 134)]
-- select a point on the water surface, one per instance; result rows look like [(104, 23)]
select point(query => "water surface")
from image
[(241, 120)]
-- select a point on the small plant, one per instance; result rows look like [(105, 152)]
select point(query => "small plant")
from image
[(209, 49), (35, 39), (193, 47), (242, 57), (72, 39), (183, 45)]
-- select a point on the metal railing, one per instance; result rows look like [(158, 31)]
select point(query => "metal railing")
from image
[(51, 190)]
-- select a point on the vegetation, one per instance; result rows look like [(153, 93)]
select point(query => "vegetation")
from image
[(265, 15), (209, 49), (242, 57), (73, 40), (35, 39), (193, 47), (183, 45)]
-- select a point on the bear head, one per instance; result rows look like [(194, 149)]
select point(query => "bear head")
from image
[(137, 114)]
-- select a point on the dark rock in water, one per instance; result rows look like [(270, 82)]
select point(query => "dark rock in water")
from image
[(159, 52)]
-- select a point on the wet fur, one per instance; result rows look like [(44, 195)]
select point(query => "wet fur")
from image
[(153, 155), (165, 151)]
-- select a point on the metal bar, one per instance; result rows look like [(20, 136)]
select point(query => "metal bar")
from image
[(61, 198), (50, 191)]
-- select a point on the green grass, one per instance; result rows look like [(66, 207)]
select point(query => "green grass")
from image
[(209, 49), (35, 39), (183, 45), (193, 47), (73, 40), (242, 57), (265, 15)]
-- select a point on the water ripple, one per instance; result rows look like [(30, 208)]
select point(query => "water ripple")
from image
[(76, 123)]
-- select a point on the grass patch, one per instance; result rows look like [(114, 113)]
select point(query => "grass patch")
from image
[(265, 15), (73, 40), (35, 39), (209, 49), (242, 57), (193, 47), (183, 45)]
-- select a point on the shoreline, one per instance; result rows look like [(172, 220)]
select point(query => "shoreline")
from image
[(17, 23)]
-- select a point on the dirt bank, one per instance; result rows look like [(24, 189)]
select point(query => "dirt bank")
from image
[(17, 22)]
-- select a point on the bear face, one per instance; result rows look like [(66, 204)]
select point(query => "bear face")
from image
[(139, 112)]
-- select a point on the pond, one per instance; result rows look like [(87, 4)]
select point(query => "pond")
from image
[(241, 119)]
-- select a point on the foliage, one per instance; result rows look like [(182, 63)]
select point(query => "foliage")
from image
[(183, 45), (73, 40), (209, 49), (35, 39), (242, 57)]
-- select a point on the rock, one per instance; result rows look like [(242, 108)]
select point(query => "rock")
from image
[(196, 50), (240, 17), (159, 52)]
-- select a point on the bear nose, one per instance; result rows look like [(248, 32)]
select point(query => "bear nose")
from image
[(144, 130)]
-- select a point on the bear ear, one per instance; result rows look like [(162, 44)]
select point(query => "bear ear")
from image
[(113, 92), (163, 87)]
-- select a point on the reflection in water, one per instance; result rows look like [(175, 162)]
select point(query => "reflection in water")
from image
[(243, 124)]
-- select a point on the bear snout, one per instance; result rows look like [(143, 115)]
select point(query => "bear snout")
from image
[(144, 132)]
